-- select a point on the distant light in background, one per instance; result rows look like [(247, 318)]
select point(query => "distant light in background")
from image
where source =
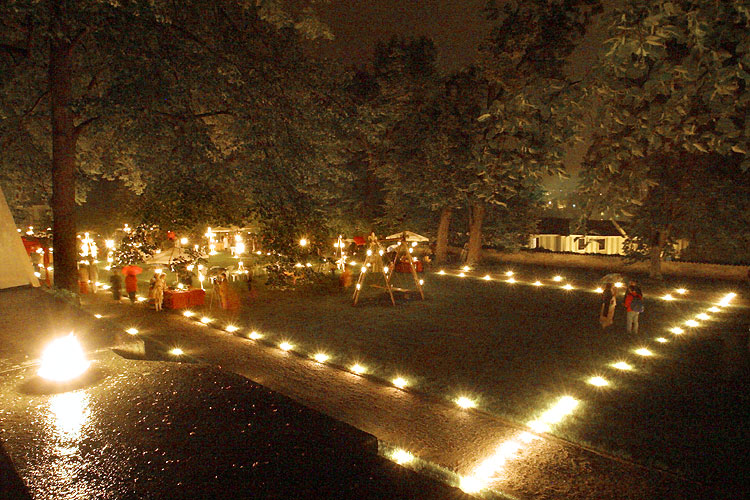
[(285, 346), (177, 352), (619, 284), (703, 316), (206, 320), (188, 314), (400, 382), (568, 286), (643, 352), (231, 328), (598, 381), (681, 291), (622, 365), (557, 278), (465, 402), (714, 309), (321, 357), (677, 330), (692, 323), (401, 457), (132, 331), (599, 290), (487, 277), (661, 340), (255, 336), (358, 369), (537, 283), (509, 273), (667, 297)]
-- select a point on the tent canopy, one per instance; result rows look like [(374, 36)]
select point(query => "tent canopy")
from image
[(410, 236), (15, 265), (170, 256)]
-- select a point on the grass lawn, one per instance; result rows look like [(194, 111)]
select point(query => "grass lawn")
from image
[(517, 348)]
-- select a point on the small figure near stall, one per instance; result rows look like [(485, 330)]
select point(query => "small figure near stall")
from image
[(158, 292)]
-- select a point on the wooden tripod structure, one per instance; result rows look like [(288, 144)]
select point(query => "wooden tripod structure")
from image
[(374, 260)]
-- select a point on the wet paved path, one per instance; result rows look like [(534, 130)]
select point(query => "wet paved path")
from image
[(525, 466)]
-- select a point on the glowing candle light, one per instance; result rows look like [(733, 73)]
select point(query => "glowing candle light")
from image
[(557, 278), (63, 359), (643, 352), (568, 286), (465, 402), (385, 269), (400, 382), (321, 357), (132, 331), (255, 336), (677, 330), (509, 273), (98, 316), (285, 346), (421, 282), (487, 277), (206, 320), (661, 340), (537, 283), (177, 352), (622, 365), (466, 268), (714, 309), (359, 286), (667, 297), (183, 241), (231, 328), (681, 291), (441, 272), (703, 316), (619, 284), (599, 290), (598, 381), (369, 252), (401, 457), (461, 275), (142, 299), (364, 269), (358, 369), (303, 242), (692, 323), (188, 314)]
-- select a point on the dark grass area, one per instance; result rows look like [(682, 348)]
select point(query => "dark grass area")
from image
[(517, 348)]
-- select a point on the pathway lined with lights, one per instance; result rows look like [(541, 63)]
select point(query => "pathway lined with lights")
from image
[(480, 450)]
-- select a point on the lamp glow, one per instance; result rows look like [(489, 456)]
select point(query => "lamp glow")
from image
[(727, 299), (421, 282), (465, 402), (692, 322), (619, 284), (400, 382), (667, 297), (643, 352), (461, 275), (511, 280), (703, 316), (564, 407), (441, 272), (677, 330), (622, 365), (681, 291), (358, 369), (567, 286), (285, 346), (487, 277), (188, 314), (661, 340), (177, 352), (321, 357), (599, 290), (598, 381), (509, 273), (714, 309), (98, 316), (132, 331), (63, 359), (303, 242), (385, 269), (557, 278), (231, 328), (401, 457), (255, 336), (206, 320), (537, 283), (471, 484), (142, 299), (466, 268)]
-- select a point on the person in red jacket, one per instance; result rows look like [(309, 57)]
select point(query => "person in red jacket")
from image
[(131, 286), (634, 307)]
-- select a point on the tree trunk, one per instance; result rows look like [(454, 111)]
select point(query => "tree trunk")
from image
[(63, 166), (658, 241), (441, 249), (476, 218)]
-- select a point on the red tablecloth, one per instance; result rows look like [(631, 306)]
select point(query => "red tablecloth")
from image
[(179, 299)]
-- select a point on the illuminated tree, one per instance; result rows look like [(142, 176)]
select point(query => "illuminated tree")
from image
[(671, 99)]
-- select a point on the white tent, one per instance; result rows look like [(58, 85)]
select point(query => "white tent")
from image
[(170, 255), (410, 236), (15, 265)]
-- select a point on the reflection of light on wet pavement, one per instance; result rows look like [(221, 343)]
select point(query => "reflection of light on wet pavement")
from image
[(69, 412)]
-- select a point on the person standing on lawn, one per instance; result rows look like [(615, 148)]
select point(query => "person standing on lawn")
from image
[(634, 306), (131, 286), (116, 281), (159, 286), (608, 304)]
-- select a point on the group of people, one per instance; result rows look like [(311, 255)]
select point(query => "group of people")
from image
[(633, 304)]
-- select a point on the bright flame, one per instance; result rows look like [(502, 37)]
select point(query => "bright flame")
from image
[(598, 381), (132, 331), (142, 299), (487, 277), (465, 402), (599, 290), (364, 269), (643, 352), (622, 365), (255, 336), (206, 320), (692, 322), (703, 316), (188, 314), (441, 272), (63, 359), (321, 357), (681, 291), (285, 346), (471, 484), (461, 275), (557, 278), (509, 273), (727, 299), (183, 241), (231, 328), (466, 268), (661, 340), (369, 252), (667, 297), (619, 284), (421, 282), (358, 369), (98, 316), (511, 280), (564, 407), (714, 309), (677, 330), (537, 283), (303, 242), (400, 382), (177, 352), (359, 286), (568, 286), (385, 269), (401, 456)]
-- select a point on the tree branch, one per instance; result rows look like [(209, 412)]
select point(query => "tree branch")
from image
[(81, 127)]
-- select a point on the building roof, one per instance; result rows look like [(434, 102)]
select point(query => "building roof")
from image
[(561, 226)]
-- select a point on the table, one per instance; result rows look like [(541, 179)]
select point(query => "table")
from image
[(181, 299)]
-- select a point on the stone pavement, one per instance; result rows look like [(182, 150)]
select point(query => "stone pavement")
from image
[(525, 466)]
